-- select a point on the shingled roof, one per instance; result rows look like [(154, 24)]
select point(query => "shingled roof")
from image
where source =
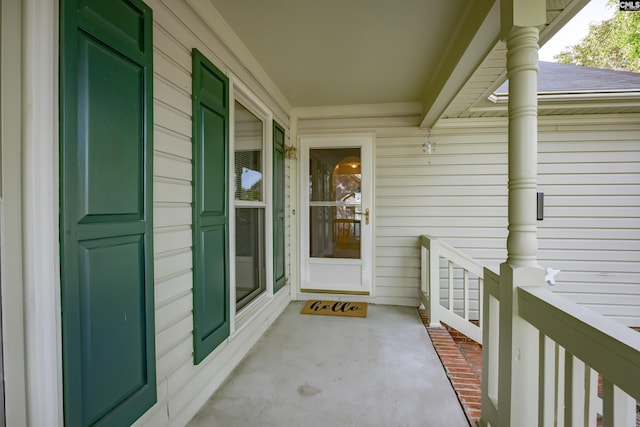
[(564, 78)]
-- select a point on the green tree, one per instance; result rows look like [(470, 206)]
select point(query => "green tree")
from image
[(613, 44)]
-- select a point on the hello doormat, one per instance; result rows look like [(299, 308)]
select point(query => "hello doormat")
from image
[(336, 308)]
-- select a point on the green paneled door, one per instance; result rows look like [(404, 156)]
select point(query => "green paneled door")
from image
[(279, 274), (211, 298), (106, 123)]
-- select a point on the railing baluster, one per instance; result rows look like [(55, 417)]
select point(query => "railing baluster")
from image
[(546, 382), (450, 278), (424, 269), (480, 301), (465, 293), (558, 386), (608, 415), (574, 394), (434, 283), (590, 396), (542, 380), (568, 389), (617, 406)]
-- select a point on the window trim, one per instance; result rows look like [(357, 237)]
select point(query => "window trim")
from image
[(239, 92)]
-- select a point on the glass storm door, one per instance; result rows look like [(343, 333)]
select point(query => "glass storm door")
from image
[(336, 214)]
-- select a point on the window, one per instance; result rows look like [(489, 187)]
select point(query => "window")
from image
[(250, 205)]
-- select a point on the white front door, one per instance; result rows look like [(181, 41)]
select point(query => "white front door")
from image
[(336, 213)]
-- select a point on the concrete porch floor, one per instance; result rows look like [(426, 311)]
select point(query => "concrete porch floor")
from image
[(309, 371)]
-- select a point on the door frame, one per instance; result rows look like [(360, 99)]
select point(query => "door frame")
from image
[(336, 140), (3, 416)]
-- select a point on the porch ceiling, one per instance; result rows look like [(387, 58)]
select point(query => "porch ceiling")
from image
[(336, 52)]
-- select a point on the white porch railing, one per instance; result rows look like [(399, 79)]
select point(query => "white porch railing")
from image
[(588, 366), (575, 346), (461, 272)]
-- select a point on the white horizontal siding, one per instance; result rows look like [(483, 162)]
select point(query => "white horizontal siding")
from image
[(589, 171), (170, 143), (456, 193), (171, 214), (590, 175)]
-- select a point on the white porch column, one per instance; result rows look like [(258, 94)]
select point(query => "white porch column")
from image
[(522, 68), (518, 341)]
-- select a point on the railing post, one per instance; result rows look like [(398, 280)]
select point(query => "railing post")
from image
[(424, 270), (434, 284), (518, 353), (490, 349)]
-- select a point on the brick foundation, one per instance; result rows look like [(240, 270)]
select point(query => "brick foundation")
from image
[(462, 361)]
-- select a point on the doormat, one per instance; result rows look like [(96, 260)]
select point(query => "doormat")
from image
[(336, 308)]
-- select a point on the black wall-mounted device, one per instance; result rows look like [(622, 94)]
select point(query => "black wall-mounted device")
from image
[(540, 206)]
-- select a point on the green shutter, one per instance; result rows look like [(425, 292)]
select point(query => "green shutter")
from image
[(211, 297), (106, 230), (279, 273)]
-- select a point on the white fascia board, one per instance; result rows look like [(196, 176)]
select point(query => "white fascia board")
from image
[(223, 30), (611, 97), (568, 100), (561, 20), (579, 119)]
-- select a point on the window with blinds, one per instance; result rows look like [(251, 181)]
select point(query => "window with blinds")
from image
[(250, 205)]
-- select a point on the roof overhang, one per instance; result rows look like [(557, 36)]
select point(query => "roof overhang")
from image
[(568, 102), (472, 98)]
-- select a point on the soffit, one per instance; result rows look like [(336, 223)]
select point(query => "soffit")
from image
[(336, 52), (472, 100)]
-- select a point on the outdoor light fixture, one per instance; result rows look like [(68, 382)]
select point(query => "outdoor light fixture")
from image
[(290, 152), (428, 146)]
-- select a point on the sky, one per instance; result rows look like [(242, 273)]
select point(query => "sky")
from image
[(575, 30)]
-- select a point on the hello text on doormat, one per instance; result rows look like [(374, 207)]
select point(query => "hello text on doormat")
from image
[(336, 308)]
